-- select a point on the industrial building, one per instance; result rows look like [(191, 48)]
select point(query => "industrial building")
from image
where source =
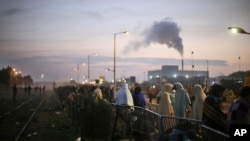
[(171, 73)]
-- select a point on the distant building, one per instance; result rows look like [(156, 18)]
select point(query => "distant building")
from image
[(131, 80), (171, 73)]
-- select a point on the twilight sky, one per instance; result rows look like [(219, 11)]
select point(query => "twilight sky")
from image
[(51, 37)]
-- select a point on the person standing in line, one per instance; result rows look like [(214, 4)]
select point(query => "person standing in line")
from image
[(239, 110), (14, 89), (197, 105), (212, 115), (165, 106), (150, 95), (97, 94), (138, 97), (124, 96), (182, 100)]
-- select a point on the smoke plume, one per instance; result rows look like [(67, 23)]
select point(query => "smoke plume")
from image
[(163, 32)]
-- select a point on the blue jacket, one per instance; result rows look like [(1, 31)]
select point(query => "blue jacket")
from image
[(139, 99)]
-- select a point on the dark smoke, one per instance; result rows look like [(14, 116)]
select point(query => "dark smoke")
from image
[(163, 32)]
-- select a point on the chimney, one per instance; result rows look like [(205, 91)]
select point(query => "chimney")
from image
[(182, 63)]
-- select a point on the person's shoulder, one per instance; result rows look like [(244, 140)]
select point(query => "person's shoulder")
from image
[(235, 106)]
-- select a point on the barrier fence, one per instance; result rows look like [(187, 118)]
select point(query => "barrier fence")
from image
[(210, 134), (146, 124)]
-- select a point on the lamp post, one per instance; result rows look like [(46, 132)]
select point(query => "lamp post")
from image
[(78, 72), (42, 77), (239, 63), (238, 30), (192, 69), (94, 54), (207, 79), (114, 70)]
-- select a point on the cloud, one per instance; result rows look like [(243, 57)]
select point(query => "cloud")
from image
[(164, 32), (11, 11)]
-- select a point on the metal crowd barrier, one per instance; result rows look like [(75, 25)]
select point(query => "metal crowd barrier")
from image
[(151, 126), (209, 134), (177, 128), (143, 123)]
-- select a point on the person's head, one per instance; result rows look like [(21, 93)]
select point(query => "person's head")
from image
[(197, 88), (198, 92), (177, 85), (137, 89), (167, 87), (216, 90), (135, 85), (245, 93), (125, 85)]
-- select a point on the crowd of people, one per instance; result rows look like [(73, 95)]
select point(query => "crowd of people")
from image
[(199, 103), (27, 90), (203, 104)]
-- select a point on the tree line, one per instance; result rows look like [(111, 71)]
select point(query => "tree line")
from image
[(9, 76)]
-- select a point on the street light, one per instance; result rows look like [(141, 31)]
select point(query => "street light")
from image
[(238, 30), (94, 54), (124, 32), (108, 69), (78, 68), (192, 69)]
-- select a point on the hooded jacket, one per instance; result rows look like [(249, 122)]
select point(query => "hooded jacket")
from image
[(197, 105), (182, 100), (124, 96)]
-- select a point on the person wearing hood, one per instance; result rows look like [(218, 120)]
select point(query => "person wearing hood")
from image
[(182, 100), (165, 106), (97, 94), (124, 96), (197, 106)]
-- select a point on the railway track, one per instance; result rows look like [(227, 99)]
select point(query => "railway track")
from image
[(40, 117), (14, 122), (30, 118), (16, 108)]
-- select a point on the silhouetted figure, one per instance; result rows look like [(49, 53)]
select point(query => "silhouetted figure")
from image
[(14, 92), (43, 89), (212, 114), (238, 112), (36, 89), (25, 89), (40, 90), (29, 90)]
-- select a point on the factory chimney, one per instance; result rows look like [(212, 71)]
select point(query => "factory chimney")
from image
[(182, 64)]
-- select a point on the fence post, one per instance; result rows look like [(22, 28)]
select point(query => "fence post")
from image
[(78, 116), (82, 123), (116, 117), (73, 114), (92, 120), (160, 127)]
